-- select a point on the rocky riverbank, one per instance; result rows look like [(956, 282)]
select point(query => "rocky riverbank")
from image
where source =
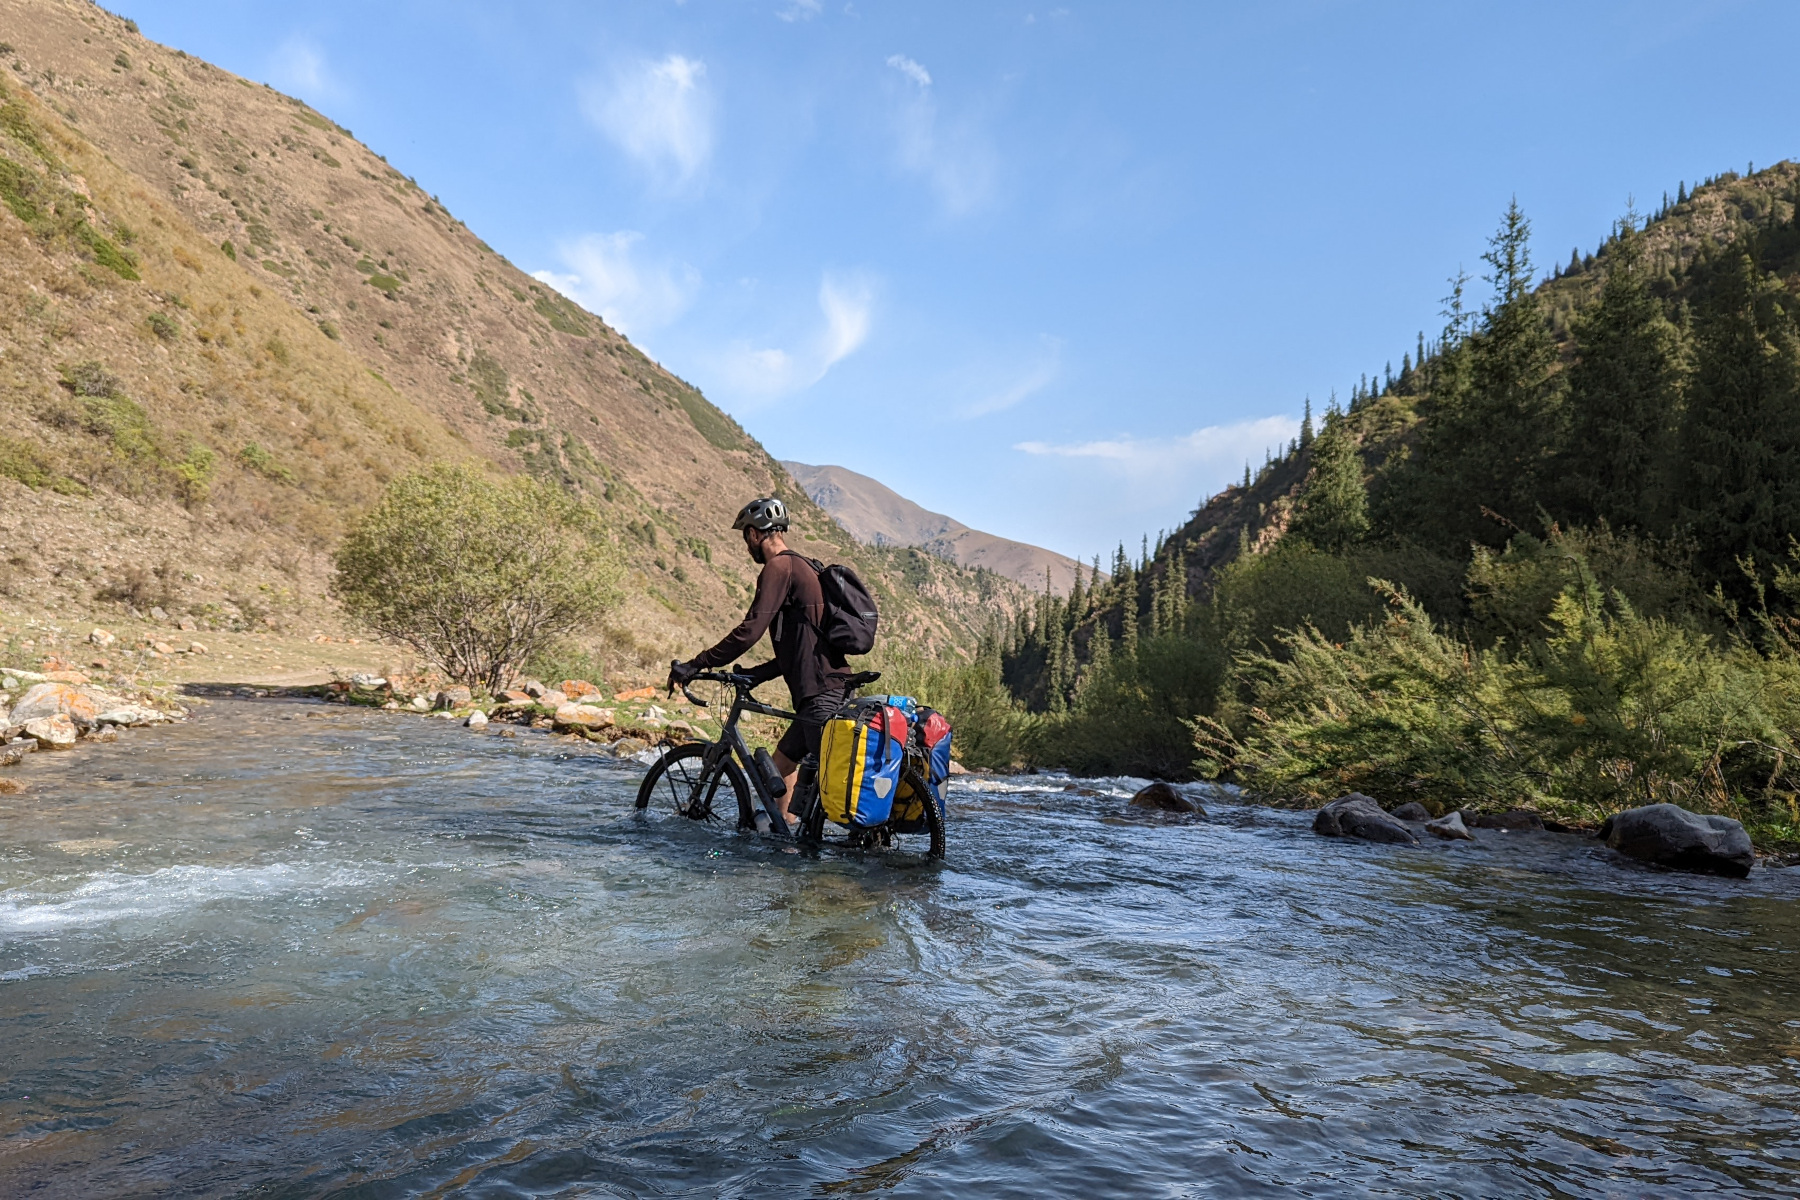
[(624, 724), (49, 711)]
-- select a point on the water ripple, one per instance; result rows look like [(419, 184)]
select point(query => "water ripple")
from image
[(292, 951)]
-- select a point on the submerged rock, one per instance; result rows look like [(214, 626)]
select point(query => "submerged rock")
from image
[(1451, 828), (1671, 836), (1359, 816), (1163, 798), (1517, 820), (1412, 810)]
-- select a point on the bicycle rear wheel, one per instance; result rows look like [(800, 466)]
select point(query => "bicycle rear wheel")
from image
[(667, 787), (934, 820)]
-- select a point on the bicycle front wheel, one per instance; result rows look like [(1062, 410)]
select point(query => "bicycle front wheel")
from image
[(668, 789)]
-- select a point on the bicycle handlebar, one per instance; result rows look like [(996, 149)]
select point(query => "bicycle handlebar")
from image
[(743, 683)]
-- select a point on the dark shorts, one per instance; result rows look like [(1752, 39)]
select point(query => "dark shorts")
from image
[(802, 736)]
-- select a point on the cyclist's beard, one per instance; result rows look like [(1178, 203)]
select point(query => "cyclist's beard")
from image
[(756, 554)]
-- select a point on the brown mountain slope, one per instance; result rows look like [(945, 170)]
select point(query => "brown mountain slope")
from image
[(292, 323), (876, 515)]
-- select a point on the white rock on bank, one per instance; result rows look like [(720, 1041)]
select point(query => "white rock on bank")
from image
[(102, 637), (132, 714), (477, 720)]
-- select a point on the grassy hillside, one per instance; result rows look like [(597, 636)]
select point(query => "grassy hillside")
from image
[(228, 323)]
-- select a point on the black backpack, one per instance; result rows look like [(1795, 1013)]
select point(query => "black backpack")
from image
[(848, 626)]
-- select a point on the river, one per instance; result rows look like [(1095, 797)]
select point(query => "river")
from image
[(292, 949)]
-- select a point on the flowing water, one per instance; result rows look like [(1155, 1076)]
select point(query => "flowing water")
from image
[(293, 949)]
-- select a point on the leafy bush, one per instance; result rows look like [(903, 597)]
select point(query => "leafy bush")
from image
[(193, 474), (163, 326), (264, 463), (476, 574), (1604, 709)]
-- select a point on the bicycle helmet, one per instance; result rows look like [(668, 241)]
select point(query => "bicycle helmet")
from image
[(763, 515)]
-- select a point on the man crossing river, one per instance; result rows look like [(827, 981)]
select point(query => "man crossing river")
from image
[(789, 607)]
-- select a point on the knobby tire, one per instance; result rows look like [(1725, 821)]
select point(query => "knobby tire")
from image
[(670, 782)]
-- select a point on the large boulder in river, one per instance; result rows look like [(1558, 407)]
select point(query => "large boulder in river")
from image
[(1164, 798), (1359, 816), (1450, 827), (578, 718), (51, 699), (1412, 810), (1671, 836)]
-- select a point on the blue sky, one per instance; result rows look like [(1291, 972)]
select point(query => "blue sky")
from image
[(1057, 270)]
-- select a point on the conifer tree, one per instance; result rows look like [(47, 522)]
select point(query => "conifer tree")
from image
[(1496, 410), (1128, 624), (1306, 426), (1099, 650), (1624, 392), (1740, 446), (1333, 509)]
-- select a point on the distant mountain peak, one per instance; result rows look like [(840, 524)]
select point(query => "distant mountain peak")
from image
[(876, 515)]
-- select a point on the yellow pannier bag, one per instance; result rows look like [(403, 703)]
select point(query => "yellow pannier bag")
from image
[(860, 755)]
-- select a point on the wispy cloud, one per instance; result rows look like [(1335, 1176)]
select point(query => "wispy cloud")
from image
[(660, 113), (799, 10), (606, 274), (952, 156), (1162, 469), (299, 66), (910, 69), (846, 306), (1033, 377)]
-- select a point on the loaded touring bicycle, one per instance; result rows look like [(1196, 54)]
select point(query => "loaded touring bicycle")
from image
[(880, 771)]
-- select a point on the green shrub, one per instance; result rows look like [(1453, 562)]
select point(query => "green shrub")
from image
[(990, 729), (264, 463), (163, 326), (193, 474), (1604, 709), (477, 574), (119, 262), (1131, 711), (30, 466), (229, 250)]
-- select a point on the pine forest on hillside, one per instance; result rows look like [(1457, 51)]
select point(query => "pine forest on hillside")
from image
[(1550, 560)]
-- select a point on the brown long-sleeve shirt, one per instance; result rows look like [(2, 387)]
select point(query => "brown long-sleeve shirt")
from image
[(788, 606)]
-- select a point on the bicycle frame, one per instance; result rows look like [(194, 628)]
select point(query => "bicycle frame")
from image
[(731, 742)]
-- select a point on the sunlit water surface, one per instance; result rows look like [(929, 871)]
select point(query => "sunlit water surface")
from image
[(292, 950)]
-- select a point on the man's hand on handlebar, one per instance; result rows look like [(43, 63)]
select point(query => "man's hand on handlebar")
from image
[(681, 674)]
